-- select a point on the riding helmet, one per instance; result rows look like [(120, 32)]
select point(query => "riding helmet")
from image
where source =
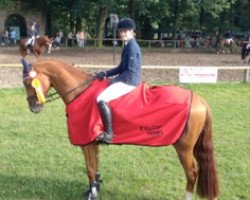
[(126, 24)]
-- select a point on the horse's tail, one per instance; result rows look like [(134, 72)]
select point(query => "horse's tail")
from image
[(243, 51), (207, 183)]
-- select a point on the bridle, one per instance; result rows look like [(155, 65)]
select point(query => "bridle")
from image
[(52, 96)]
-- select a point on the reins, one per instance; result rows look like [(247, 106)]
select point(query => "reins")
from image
[(50, 97)]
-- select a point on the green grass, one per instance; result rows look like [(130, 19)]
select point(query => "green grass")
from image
[(38, 162)]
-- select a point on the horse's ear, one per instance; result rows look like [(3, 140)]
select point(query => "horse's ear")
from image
[(26, 67)]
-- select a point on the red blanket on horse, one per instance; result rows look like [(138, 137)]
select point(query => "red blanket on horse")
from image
[(151, 116)]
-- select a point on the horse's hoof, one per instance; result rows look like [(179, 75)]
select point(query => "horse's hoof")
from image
[(88, 195), (93, 192)]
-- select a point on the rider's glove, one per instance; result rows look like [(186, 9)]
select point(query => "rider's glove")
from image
[(100, 75)]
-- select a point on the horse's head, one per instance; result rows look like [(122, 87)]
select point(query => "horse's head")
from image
[(37, 85), (45, 41)]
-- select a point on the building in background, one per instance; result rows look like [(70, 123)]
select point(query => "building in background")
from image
[(18, 16)]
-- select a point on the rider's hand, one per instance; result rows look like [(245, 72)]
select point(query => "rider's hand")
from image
[(100, 75)]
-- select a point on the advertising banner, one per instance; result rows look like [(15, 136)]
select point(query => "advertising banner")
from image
[(198, 74)]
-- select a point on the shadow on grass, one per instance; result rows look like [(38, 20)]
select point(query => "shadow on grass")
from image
[(23, 187)]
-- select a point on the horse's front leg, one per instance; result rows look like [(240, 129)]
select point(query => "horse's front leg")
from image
[(90, 152), (36, 52)]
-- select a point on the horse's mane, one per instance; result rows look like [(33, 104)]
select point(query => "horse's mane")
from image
[(62, 66)]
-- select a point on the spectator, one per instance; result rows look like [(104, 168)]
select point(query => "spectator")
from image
[(77, 37), (208, 42), (12, 36), (70, 39), (60, 34), (195, 41), (5, 37), (57, 41), (188, 41), (1, 38), (81, 39)]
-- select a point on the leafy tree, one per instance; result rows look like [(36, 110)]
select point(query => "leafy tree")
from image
[(242, 15), (4, 3), (151, 16)]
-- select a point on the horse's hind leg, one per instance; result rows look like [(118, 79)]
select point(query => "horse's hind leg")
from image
[(188, 162), (91, 158), (185, 145)]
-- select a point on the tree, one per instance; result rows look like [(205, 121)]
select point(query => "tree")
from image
[(151, 16), (4, 3), (103, 13)]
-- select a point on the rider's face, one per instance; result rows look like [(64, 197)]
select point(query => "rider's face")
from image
[(126, 34)]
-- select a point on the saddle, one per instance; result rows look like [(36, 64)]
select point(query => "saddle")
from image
[(148, 116)]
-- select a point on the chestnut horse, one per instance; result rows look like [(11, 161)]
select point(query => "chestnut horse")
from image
[(194, 147), (40, 43)]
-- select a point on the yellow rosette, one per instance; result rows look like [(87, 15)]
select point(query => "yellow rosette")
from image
[(36, 84)]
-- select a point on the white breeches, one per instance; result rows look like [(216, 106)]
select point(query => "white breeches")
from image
[(114, 91), (30, 41)]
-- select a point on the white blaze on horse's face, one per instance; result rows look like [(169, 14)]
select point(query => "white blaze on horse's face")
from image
[(32, 99)]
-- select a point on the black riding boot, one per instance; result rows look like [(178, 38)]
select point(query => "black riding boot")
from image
[(107, 135)]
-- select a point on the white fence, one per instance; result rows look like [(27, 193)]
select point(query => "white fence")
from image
[(150, 74), (164, 73)]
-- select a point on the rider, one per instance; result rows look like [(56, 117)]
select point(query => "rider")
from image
[(32, 36), (128, 76), (229, 37)]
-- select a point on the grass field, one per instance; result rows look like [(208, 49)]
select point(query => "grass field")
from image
[(38, 162)]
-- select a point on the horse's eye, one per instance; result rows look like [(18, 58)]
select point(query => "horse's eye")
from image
[(27, 82)]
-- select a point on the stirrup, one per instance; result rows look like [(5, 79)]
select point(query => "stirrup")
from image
[(104, 138)]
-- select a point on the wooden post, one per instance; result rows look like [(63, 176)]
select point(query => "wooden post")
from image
[(247, 75)]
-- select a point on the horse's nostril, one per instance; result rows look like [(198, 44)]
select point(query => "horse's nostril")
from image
[(36, 108)]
